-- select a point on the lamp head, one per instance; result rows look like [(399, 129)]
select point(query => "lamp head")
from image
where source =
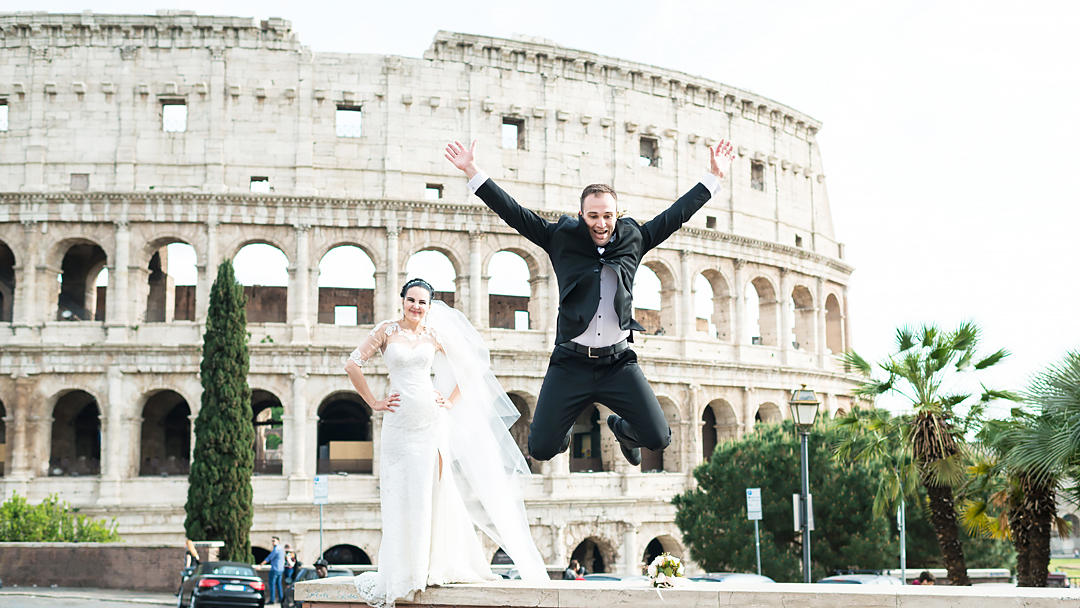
[(804, 407)]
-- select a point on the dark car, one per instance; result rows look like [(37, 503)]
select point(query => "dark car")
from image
[(226, 584), (307, 573)]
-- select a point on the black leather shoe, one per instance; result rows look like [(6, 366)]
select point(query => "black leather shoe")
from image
[(632, 455)]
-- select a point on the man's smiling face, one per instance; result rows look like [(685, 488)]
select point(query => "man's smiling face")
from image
[(598, 211)]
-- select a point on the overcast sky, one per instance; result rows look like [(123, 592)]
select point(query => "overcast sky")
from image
[(949, 138)]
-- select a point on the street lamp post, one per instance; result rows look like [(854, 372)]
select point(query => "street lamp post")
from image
[(804, 407)]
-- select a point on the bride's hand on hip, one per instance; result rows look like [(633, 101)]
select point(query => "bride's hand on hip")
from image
[(443, 401), (389, 404)]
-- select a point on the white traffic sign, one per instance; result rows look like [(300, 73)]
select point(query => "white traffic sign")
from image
[(322, 489), (753, 503), (809, 510)]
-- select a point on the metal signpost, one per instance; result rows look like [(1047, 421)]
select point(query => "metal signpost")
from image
[(322, 497), (753, 512), (901, 522)]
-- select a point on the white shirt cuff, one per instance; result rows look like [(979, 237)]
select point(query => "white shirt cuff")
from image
[(710, 181), (477, 181)]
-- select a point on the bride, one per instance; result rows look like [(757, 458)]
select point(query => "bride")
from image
[(447, 461)]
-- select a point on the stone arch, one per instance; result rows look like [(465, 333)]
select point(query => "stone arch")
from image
[(654, 461), (717, 307), (346, 554), (263, 269), (259, 553), (803, 319), (1074, 525), (427, 267), (510, 294), (75, 439), (661, 320), (7, 283), (768, 413), (172, 274), (343, 439), (762, 289), (165, 435), (834, 332), (346, 283), (270, 241), (595, 554), (664, 543), (371, 253), (79, 297), (586, 454), (727, 421), (520, 429), (266, 417)]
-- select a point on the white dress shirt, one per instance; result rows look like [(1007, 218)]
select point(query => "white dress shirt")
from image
[(604, 327)]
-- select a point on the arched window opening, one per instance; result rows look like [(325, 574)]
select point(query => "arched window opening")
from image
[(661, 544), (704, 307), (834, 334), (83, 284), (708, 433), (3, 440), (259, 553), (802, 313), (263, 270), (585, 452), (508, 291), (344, 436), (76, 436), (165, 444), (768, 413), (350, 555), (520, 429), (173, 275), (727, 423), (346, 287), (767, 308), (653, 461), (591, 556), (266, 412), (7, 284), (435, 268), (1074, 525), (647, 300)]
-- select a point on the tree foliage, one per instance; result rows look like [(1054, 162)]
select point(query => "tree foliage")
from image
[(712, 516), (219, 483), (933, 370), (51, 521)]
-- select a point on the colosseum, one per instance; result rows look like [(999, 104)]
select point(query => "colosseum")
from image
[(139, 152)]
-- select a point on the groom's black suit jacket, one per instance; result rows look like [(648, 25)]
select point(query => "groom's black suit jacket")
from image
[(576, 260)]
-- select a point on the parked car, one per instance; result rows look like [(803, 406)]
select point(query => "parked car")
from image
[(232, 583), (607, 576), (861, 579), (732, 578), (307, 573)]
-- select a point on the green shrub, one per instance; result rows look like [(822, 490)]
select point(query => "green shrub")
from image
[(51, 521)]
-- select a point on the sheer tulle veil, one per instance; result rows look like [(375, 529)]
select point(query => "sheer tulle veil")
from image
[(488, 465)]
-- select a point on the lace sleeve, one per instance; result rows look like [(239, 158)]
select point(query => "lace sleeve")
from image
[(375, 342)]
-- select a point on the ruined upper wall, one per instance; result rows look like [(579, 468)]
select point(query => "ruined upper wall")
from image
[(85, 95)]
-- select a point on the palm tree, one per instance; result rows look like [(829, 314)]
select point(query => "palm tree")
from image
[(1025, 501), (928, 370)]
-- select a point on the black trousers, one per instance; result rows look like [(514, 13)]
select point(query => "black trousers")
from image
[(574, 382)]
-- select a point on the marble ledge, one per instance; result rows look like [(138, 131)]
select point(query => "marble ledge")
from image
[(340, 593)]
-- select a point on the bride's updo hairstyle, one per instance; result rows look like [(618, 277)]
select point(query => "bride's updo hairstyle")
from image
[(418, 283)]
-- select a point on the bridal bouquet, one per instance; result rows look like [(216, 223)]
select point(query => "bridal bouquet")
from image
[(664, 569)]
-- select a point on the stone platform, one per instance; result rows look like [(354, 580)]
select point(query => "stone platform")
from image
[(340, 593)]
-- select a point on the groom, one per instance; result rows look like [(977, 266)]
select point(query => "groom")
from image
[(595, 255)]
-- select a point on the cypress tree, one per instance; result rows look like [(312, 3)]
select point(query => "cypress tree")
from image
[(219, 484)]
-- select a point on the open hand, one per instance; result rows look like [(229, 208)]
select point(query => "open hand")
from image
[(443, 401), (462, 158), (720, 158), (391, 403)]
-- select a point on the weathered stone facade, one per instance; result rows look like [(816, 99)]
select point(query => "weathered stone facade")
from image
[(100, 386)]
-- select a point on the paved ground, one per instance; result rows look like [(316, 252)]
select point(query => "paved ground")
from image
[(41, 597)]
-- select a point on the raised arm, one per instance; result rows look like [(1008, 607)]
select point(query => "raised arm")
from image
[(527, 223), (658, 229)]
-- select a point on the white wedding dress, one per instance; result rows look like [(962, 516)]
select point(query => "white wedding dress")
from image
[(428, 535)]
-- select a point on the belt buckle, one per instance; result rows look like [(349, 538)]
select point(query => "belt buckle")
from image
[(589, 353)]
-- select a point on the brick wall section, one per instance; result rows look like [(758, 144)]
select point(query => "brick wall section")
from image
[(502, 308), (362, 299), (103, 565)]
